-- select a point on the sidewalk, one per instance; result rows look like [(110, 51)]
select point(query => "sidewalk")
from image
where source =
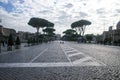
[(4, 49)]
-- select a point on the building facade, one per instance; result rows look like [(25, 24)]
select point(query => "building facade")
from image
[(24, 36), (5, 32), (112, 36)]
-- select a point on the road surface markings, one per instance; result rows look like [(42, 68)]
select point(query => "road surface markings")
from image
[(68, 51), (38, 55), (59, 64), (86, 61), (66, 55), (72, 53), (82, 60), (75, 54), (11, 65)]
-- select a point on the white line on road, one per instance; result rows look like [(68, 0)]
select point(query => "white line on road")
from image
[(38, 55), (81, 61), (74, 54), (66, 55), (71, 51), (95, 59), (11, 65), (99, 62), (58, 64)]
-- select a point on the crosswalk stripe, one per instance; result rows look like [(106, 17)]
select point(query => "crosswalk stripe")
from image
[(82, 60), (71, 51), (11, 65), (74, 54), (58, 64)]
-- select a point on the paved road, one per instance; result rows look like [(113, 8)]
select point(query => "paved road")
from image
[(110, 55), (55, 61)]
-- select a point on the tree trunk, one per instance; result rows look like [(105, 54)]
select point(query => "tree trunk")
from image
[(84, 29), (38, 31), (80, 31), (38, 34)]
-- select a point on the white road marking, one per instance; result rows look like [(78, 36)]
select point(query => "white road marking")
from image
[(74, 54), (86, 61), (58, 64), (99, 62), (71, 51), (81, 61), (66, 55), (88, 64), (11, 65), (38, 55)]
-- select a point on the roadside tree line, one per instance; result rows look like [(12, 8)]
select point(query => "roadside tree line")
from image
[(47, 28), (48, 34), (76, 33)]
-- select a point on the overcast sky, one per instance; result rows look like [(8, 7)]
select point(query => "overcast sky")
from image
[(102, 13)]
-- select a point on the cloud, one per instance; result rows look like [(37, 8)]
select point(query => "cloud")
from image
[(4, 1), (118, 10), (101, 11), (83, 14), (69, 5), (61, 12)]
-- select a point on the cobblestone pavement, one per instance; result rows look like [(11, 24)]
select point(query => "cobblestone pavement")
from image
[(53, 54), (110, 55), (55, 61), (61, 73), (22, 55), (4, 48)]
